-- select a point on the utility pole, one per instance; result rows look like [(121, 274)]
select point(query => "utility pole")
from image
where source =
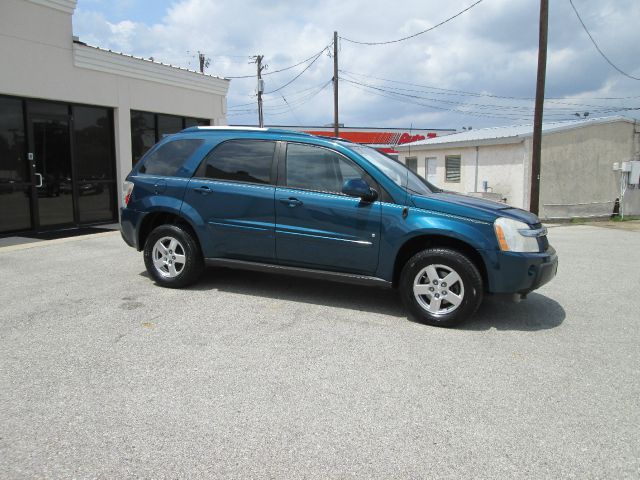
[(336, 127), (534, 204), (258, 62)]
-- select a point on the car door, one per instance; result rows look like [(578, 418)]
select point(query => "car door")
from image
[(233, 193), (317, 226)]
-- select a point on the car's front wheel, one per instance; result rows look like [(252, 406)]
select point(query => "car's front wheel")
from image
[(172, 256), (441, 287)]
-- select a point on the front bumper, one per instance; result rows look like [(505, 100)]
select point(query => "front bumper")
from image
[(511, 272)]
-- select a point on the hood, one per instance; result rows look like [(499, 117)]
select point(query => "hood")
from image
[(472, 207)]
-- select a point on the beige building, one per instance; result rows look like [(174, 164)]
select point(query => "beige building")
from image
[(74, 117), (577, 175)]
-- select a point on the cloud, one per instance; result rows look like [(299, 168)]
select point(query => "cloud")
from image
[(492, 49)]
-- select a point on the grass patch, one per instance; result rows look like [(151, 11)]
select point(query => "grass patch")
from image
[(578, 220), (627, 218)]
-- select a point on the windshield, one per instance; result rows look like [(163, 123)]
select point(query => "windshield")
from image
[(396, 171)]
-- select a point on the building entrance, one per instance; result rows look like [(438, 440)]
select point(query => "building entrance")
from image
[(57, 167)]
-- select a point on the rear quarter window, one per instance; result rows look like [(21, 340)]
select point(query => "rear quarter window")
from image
[(168, 158)]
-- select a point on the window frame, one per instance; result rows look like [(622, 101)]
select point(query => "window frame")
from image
[(282, 172), (272, 169), (446, 168), (406, 163)]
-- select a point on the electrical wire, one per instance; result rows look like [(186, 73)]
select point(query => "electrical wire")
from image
[(288, 107), (266, 100), (297, 76), (446, 91), (415, 34), (512, 115), (571, 108), (598, 48), (283, 69)]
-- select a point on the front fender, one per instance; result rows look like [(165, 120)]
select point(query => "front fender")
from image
[(397, 231)]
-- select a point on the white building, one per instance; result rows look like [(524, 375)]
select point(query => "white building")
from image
[(73, 118), (577, 177)]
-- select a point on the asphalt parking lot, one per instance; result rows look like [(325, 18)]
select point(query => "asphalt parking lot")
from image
[(247, 375)]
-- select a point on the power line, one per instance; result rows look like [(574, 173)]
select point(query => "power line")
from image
[(283, 69), (598, 48), (447, 91), (415, 34), (512, 115), (297, 76), (288, 107), (266, 100), (513, 108)]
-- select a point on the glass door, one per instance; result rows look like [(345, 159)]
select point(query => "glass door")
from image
[(15, 179), (50, 155)]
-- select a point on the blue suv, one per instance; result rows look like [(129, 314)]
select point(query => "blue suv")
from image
[(281, 201)]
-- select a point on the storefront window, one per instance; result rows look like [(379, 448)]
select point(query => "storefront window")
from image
[(168, 124), (143, 134), (15, 209), (148, 128), (95, 164)]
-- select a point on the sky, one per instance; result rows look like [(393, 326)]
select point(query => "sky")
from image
[(456, 75)]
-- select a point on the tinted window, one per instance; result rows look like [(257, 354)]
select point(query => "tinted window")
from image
[(314, 168), (13, 159), (168, 159), (143, 134), (240, 160), (93, 137), (168, 124), (194, 122)]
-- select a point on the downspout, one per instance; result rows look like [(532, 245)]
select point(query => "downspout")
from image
[(477, 153), (636, 138)]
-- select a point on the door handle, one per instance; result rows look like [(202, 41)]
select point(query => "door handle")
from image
[(291, 202), (203, 190), (39, 175)]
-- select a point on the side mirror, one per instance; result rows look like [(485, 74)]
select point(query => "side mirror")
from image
[(356, 187)]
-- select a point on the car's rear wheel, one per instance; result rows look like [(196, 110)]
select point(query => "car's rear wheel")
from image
[(172, 256), (441, 287)]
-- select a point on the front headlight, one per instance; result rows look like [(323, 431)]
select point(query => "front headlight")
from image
[(514, 236)]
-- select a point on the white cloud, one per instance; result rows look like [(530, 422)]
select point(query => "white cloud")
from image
[(492, 48)]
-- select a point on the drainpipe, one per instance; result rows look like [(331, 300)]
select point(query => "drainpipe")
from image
[(476, 187), (636, 138)]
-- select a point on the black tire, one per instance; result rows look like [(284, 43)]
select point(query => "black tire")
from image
[(466, 289), (182, 274)]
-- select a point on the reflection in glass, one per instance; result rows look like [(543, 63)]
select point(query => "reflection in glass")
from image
[(96, 202), (13, 164), (168, 124), (93, 139), (15, 211), (196, 122), (53, 162), (143, 134)]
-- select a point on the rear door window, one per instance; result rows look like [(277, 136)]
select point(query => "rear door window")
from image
[(248, 161), (168, 158)]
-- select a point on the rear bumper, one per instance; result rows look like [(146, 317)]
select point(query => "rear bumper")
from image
[(130, 221), (510, 272)]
